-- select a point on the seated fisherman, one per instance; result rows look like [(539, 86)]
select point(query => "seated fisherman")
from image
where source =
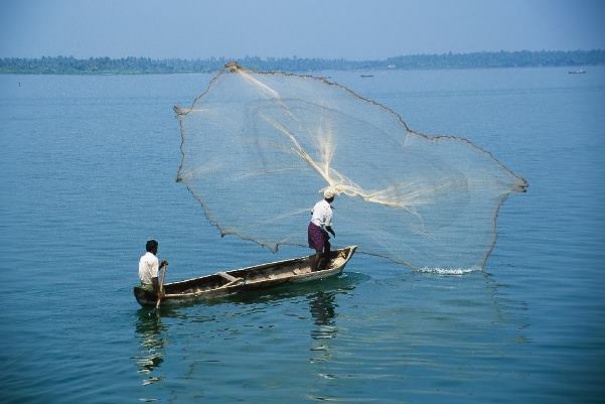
[(149, 268)]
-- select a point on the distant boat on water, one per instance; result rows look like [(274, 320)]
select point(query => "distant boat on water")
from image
[(366, 75), (580, 71)]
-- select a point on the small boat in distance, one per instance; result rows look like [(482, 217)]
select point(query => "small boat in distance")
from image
[(579, 71), (227, 283), (365, 76)]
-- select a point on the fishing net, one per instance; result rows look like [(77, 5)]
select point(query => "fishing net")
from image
[(257, 147)]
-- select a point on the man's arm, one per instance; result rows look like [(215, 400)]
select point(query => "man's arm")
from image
[(156, 283)]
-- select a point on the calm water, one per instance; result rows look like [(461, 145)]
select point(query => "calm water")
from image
[(88, 175)]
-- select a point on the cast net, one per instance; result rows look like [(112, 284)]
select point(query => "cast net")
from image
[(258, 146)]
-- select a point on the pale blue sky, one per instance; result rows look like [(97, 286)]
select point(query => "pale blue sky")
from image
[(350, 29)]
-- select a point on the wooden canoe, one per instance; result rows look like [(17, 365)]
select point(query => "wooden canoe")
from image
[(228, 283)]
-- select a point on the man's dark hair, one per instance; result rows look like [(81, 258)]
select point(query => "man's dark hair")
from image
[(151, 246)]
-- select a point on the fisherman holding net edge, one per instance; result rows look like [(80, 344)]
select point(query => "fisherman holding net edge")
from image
[(319, 227)]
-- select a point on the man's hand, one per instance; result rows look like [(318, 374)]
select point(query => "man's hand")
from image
[(331, 231)]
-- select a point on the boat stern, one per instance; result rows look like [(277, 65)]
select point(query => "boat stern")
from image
[(144, 297)]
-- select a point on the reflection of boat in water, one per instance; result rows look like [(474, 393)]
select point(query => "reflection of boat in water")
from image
[(579, 71), (222, 284)]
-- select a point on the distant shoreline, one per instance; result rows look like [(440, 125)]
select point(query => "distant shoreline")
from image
[(139, 65)]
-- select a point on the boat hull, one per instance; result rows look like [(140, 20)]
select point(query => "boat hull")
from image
[(222, 284)]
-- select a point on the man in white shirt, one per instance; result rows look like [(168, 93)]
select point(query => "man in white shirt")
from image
[(149, 268), (319, 227)]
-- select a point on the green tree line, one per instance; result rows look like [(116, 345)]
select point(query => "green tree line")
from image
[(140, 65)]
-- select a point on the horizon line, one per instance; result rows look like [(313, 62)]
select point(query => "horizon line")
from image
[(295, 57)]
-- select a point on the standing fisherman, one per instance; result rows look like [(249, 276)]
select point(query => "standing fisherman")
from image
[(320, 226)]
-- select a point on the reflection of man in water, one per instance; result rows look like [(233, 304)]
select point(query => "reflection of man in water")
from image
[(321, 224), (322, 307), (149, 329)]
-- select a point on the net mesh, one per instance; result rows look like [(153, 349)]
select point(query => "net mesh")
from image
[(258, 146)]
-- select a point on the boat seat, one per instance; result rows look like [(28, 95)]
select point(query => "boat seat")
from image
[(230, 278)]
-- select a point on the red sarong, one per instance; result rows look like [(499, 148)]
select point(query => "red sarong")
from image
[(318, 238)]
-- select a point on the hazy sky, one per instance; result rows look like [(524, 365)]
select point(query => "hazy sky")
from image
[(351, 29)]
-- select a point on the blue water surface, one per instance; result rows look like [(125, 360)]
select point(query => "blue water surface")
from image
[(88, 175)]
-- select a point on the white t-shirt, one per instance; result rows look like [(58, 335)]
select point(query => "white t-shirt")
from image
[(322, 214), (148, 268)]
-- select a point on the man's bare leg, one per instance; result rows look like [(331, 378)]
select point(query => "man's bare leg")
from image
[(315, 261), (326, 256)]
